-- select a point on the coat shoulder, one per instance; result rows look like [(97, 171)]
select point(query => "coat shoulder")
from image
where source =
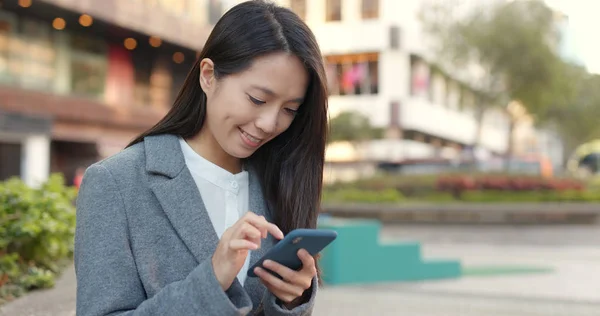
[(126, 165)]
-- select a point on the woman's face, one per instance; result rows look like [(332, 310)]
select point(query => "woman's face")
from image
[(247, 110)]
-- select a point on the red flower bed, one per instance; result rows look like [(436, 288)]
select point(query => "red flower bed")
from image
[(456, 183), (460, 183)]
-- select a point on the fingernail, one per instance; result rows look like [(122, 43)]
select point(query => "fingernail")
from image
[(267, 262)]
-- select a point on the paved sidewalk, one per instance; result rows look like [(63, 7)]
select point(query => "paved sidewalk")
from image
[(576, 275), (387, 301), (447, 298), (571, 289), (58, 301)]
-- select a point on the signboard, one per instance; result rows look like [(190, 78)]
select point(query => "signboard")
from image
[(20, 123)]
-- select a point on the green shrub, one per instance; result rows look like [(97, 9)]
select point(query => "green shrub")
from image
[(407, 185), (436, 197), (500, 196), (576, 196), (37, 228), (392, 189), (353, 195), (530, 196), (424, 188)]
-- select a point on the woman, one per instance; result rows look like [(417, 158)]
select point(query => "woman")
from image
[(170, 225)]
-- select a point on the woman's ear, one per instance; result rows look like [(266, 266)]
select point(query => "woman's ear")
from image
[(207, 75)]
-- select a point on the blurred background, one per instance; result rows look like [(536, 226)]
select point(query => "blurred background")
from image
[(468, 127)]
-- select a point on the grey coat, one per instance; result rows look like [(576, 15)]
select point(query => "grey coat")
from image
[(144, 241)]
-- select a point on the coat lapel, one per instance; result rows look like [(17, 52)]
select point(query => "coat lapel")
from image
[(178, 195), (257, 205), (176, 191)]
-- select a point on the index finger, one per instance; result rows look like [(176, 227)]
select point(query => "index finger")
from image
[(261, 223)]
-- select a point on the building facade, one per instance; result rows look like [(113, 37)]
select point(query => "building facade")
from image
[(378, 64), (79, 79)]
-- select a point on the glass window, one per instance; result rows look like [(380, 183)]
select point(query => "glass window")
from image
[(88, 77), (333, 10), (32, 55), (395, 114), (10, 160), (160, 83), (88, 65), (34, 29), (439, 89), (7, 26), (355, 74), (88, 45), (370, 9), (374, 76), (333, 73), (142, 72), (420, 78)]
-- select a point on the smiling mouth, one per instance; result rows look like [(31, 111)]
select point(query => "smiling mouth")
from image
[(251, 139)]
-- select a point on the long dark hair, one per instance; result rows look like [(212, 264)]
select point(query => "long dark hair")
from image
[(290, 166)]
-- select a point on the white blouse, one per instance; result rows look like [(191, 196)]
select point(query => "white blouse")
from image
[(225, 195)]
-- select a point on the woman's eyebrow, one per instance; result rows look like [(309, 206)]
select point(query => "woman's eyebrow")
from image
[(273, 94)]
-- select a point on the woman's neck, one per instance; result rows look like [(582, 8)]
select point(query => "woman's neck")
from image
[(207, 146)]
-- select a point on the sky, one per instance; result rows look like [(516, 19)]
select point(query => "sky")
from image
[(584, 26)]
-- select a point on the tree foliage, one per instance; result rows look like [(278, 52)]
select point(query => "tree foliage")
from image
[(577, 121), (352, 126), (513, 43)]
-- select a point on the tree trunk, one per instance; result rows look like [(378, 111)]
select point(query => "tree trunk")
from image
[(479, 115), (510, 144)]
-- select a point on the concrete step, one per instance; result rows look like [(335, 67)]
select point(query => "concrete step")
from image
[(357, 256)]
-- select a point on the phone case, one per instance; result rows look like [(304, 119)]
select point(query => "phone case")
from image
[(285, 251)]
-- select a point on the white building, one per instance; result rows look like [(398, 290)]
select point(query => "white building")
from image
[(24, 148), (378, 65)]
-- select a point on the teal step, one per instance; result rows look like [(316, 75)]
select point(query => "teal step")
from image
[(355, 233), (433, 269), (357, 256)]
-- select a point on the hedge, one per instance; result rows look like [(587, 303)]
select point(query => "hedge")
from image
[(37, 228), (391, 196), (361, 196), (460, 188)]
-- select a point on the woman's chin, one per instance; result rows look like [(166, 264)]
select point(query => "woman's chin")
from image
[(241, 153)]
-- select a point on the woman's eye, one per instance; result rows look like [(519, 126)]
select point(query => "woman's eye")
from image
[(256, 101), (292, 111)]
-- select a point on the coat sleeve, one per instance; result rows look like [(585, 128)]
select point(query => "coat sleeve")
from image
[(273, 307), (107, 279)]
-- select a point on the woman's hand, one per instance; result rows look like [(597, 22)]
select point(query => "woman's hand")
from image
[(293, 283), (237, 240)]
